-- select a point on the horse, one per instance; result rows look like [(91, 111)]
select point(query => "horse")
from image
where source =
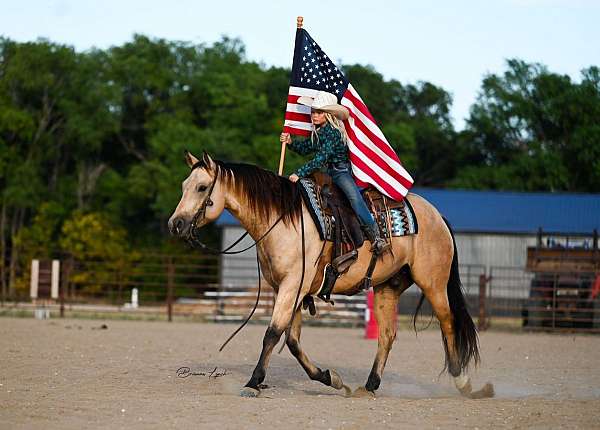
[(272, 211)]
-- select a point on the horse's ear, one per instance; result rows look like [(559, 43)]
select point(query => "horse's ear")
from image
[(208, 161), (190, 159)]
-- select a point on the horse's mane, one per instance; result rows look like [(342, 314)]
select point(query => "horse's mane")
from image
[(265, 192)]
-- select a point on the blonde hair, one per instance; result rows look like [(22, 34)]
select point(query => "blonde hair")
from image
[(335, 123)]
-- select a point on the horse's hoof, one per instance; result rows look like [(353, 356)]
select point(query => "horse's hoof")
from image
[(249, 392), (363, 392), (336, 380), (485, 393), (338, 384)]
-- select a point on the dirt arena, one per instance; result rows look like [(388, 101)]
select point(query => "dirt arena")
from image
[(63, 374)]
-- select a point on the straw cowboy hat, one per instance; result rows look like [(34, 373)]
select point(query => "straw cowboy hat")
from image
[(325, 102)]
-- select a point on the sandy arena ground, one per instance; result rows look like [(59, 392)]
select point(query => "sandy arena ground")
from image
[(62, 374)]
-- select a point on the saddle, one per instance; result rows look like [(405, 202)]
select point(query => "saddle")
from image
[(336, 221)]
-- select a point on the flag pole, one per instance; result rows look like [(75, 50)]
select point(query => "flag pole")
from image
[(299, 22)]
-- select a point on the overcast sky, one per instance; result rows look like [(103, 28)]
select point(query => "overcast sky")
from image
[(449, 43)]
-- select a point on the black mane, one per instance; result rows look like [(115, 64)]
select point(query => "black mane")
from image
[(266, 192)]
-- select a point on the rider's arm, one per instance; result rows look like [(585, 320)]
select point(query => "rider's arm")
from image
[(329, 139), (303, 146)]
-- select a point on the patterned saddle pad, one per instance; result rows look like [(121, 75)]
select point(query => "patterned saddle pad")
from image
[(402, 220)]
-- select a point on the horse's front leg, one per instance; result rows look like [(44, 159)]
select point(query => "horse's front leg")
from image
[(282, 313), (327, 377)]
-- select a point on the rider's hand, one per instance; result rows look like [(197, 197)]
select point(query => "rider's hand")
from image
[(294, 177), (285, 138)]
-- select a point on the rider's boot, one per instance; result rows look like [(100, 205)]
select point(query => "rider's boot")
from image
[(378, 244)]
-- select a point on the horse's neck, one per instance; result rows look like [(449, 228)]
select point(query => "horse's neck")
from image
[(247, 219)]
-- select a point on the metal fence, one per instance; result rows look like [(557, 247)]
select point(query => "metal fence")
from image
[(558, 301), (192, 286)]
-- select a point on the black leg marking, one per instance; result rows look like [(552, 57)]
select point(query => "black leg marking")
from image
[(272, 335), (373, 382)]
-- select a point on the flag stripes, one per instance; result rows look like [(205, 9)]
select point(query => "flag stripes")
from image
[(374, 161)]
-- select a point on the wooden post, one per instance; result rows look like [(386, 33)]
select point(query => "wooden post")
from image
[(34, 281), (64, 284), (482, 323), (170, 281), (299, 22)]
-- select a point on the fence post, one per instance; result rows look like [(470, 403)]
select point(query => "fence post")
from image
[(64, 284), (482, 323), (170, 281)]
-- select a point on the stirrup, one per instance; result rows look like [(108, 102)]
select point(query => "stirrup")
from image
[(328, 284)]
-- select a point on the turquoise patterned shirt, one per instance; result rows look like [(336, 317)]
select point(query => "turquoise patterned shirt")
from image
[(329, 148)]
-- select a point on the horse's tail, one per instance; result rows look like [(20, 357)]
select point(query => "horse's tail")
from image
[(465, 333)]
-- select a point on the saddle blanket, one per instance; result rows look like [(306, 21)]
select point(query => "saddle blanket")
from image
[(403, 221)]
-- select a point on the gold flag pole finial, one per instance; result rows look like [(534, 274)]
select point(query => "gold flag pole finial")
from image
[(299, 22)]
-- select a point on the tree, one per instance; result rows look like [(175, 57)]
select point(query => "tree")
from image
[(538, 127)]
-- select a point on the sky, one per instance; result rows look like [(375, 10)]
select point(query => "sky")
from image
[(449, 43)]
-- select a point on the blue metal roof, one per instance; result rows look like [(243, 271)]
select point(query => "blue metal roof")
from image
[(507, 212)]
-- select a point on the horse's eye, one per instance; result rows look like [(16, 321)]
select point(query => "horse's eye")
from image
[(202, 188)]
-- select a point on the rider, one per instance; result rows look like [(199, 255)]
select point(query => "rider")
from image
[(329, 141)]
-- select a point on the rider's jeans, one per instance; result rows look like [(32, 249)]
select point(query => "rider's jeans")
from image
[(340, 173)]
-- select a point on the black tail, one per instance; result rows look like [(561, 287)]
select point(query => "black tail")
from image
[(465, 333)]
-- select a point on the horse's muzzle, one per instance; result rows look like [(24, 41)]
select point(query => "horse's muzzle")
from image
[(178, 226)]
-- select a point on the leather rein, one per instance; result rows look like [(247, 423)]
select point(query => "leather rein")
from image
[(192, 239)]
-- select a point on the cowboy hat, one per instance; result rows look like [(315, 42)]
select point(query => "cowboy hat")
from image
[(325, 102)]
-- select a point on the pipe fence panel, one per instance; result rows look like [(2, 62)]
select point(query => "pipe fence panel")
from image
[(199, 286)]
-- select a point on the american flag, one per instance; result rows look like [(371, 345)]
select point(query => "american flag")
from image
[(373, 159)]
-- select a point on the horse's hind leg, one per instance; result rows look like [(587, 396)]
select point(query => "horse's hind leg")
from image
[(327, 377), (458, 333), (384, 306)]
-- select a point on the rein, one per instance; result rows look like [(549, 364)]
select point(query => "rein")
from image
[(193, 239)]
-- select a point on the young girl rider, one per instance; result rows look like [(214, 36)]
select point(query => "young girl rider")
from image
[(329, 141)]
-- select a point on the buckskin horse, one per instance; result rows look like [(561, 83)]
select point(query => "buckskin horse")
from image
[(270, 208)]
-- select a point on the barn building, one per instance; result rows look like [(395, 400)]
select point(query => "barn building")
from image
[(493, 230)]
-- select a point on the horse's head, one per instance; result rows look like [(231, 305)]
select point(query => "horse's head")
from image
[(202, 199)]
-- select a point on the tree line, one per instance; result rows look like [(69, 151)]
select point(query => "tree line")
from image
[(91, 142)]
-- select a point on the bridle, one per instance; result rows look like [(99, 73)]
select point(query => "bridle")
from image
[(193, 238), (200, 214)]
